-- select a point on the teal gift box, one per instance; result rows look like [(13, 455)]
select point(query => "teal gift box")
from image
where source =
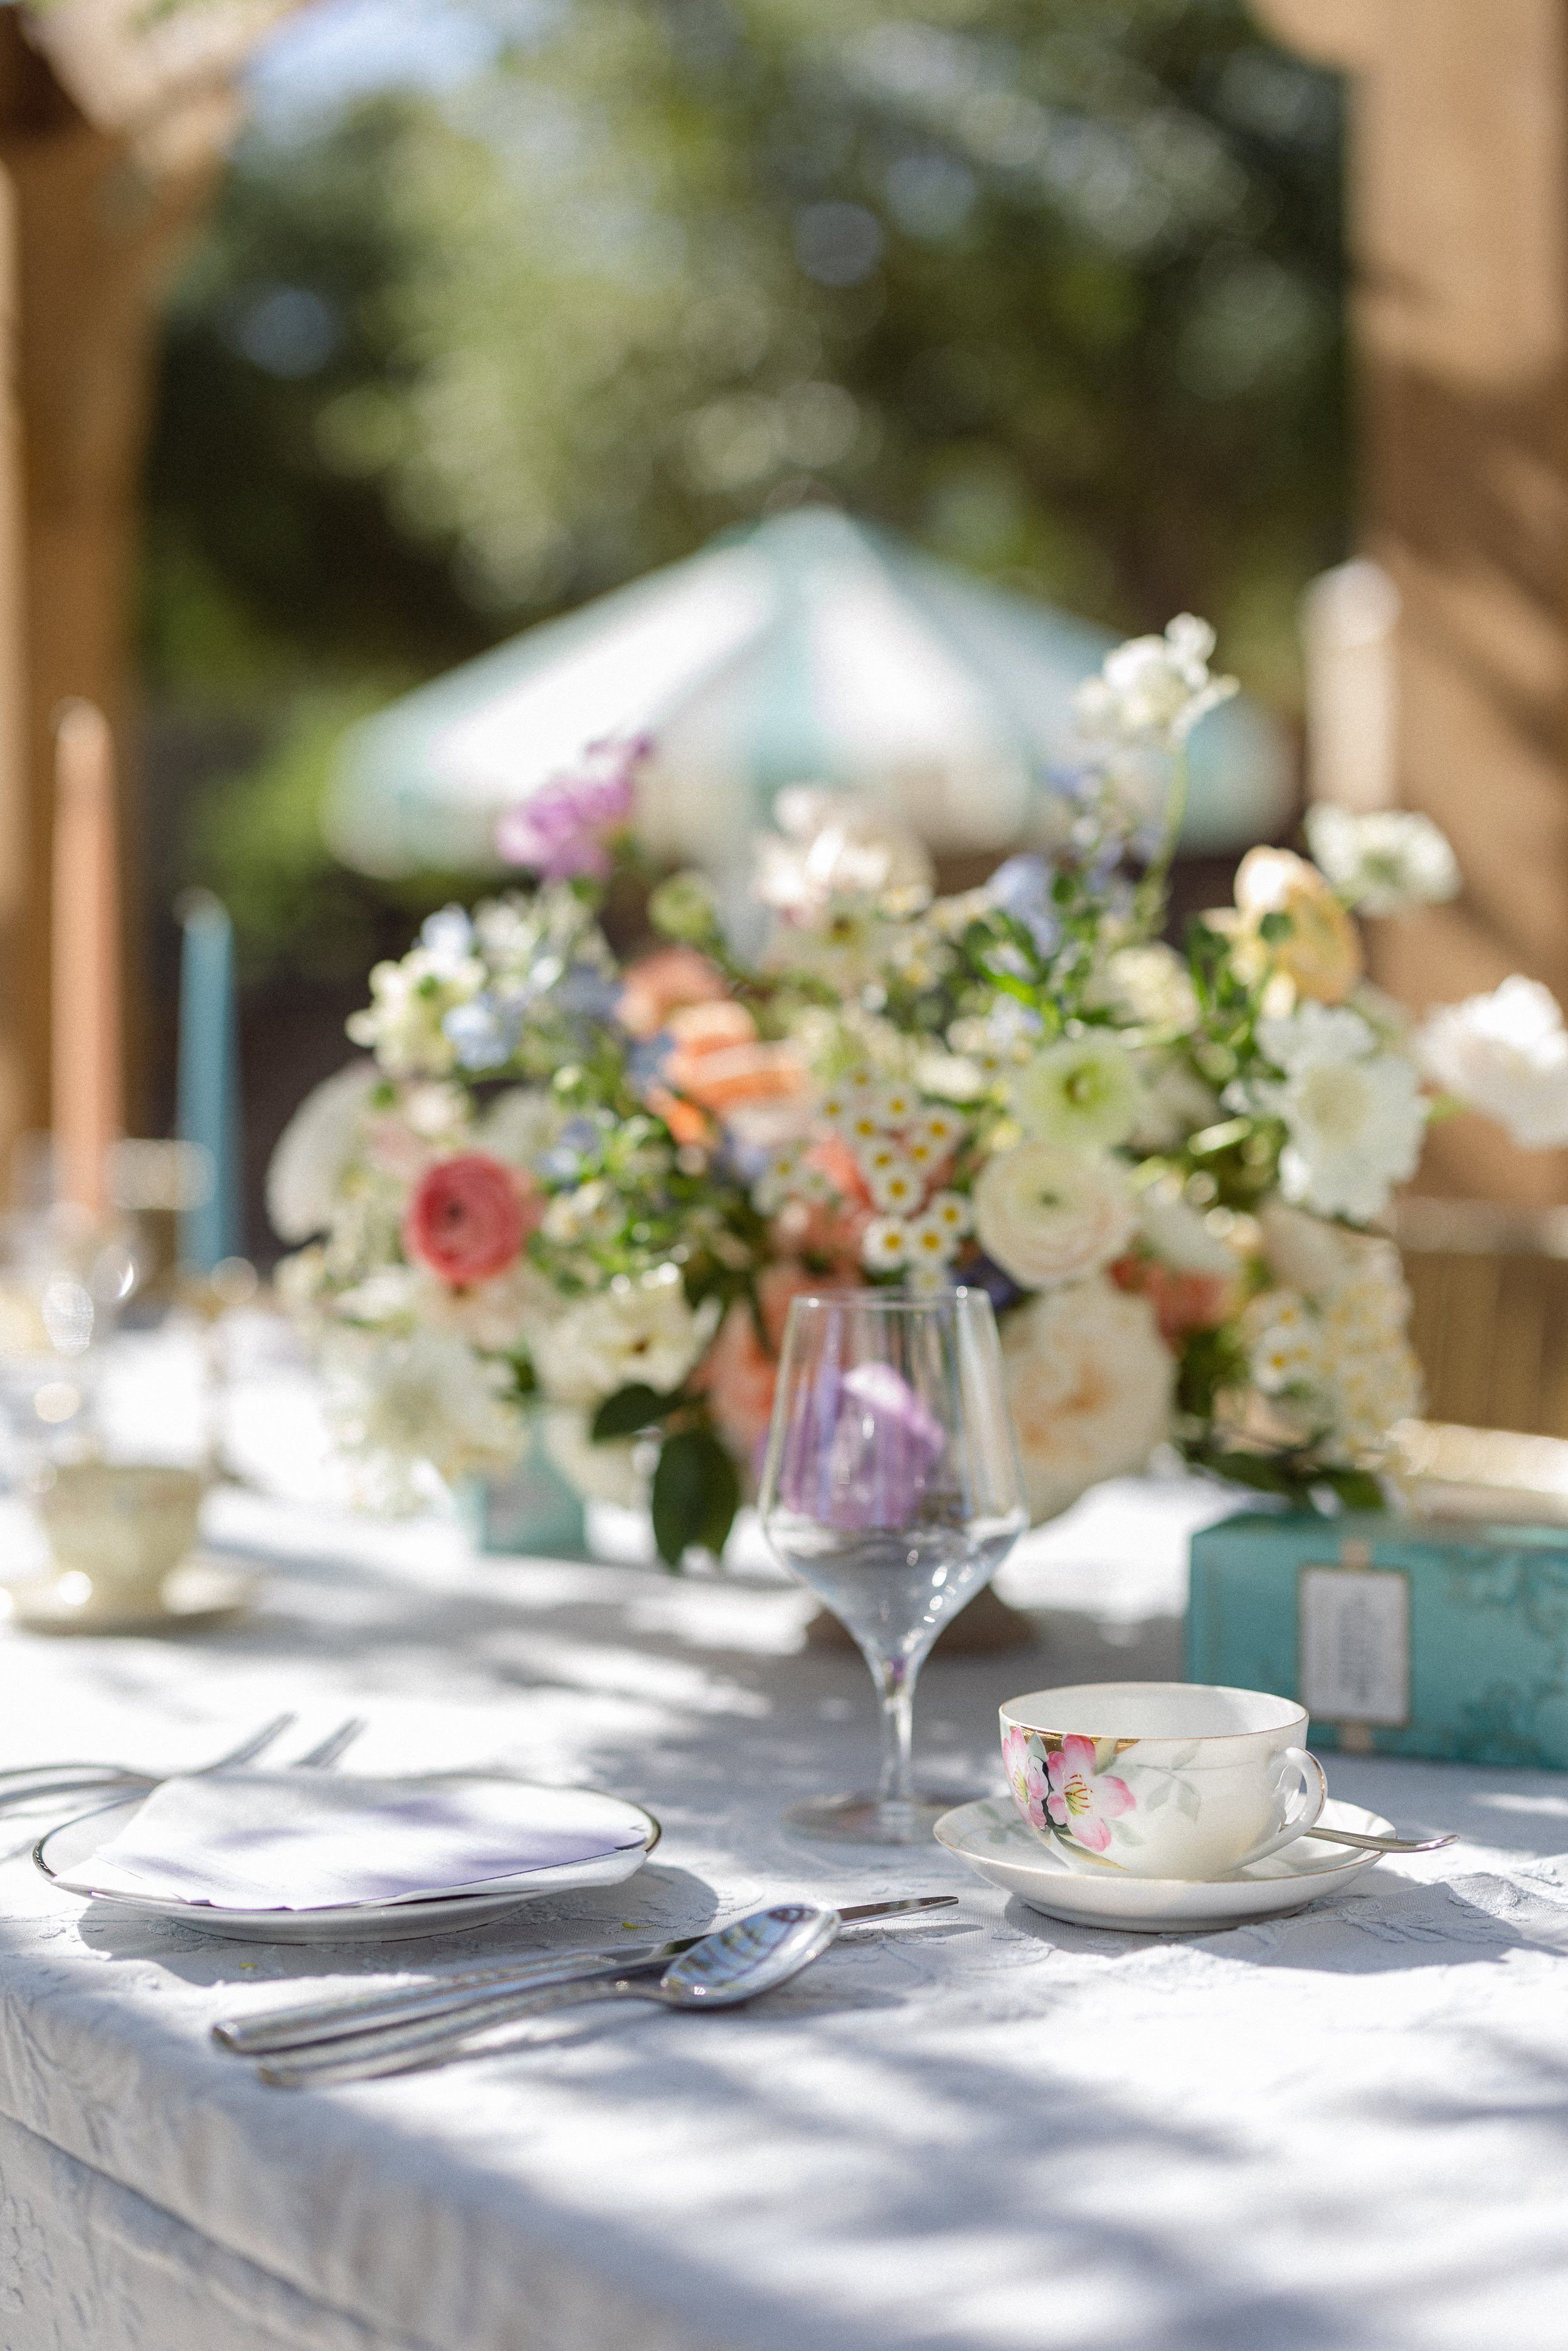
[(1403, 1636)]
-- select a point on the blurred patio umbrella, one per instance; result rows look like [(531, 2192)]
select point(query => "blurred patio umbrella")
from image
[(808, 648)]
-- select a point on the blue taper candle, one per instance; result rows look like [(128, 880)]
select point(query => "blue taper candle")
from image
[(209, 1081)]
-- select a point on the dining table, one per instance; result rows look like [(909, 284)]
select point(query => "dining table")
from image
[(975, 2129)]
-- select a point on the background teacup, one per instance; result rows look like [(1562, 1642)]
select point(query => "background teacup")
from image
[(1178, 1780), (121, 1528)]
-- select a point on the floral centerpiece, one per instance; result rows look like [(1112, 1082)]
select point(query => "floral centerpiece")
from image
[(567, 1185)]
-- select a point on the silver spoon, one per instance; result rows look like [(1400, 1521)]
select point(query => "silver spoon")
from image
[(287, 2031), (1382, 1844), (756, 1954)]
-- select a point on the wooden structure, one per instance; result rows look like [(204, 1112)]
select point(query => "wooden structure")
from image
[(112, 121), (1458, 231)]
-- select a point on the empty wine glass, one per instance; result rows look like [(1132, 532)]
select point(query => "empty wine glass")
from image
[(891, 1489)]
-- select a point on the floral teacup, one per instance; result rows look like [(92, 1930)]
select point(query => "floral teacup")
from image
[(1161, 1778)]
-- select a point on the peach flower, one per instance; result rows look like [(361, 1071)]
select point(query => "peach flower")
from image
[(740, 1373), (720, 1064), (663, 983), (468, 1219), (1322, 951), (1183, 1302)]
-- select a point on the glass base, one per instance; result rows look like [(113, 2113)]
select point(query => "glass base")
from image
[(866, 1820)]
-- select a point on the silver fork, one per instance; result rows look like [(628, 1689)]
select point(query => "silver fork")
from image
[(30, 1782), (326, 1751), (108, 1777)]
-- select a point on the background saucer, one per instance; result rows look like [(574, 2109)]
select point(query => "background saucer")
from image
[(199, 1592), (994, 1841)]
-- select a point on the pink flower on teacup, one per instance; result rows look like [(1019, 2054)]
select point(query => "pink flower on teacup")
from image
[(1026, 1777), (1084, 1802)]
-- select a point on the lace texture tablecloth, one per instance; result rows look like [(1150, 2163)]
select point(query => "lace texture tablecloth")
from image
[(1349, 2128)]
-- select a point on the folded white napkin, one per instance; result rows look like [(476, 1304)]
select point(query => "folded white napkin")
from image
[(305, 1840)]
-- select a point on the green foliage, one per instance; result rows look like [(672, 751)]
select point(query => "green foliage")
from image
[(254, 836), (631, 1410), (697, 1493), (1053, 284)]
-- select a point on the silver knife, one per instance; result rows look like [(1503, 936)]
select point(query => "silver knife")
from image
[(298, 2028)]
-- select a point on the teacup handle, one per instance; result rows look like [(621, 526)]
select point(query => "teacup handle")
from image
[(1314, 1799)]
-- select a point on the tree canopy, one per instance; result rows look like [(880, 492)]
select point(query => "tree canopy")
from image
[(1053, 286)]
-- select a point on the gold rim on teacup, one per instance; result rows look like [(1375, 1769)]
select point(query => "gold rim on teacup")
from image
[(1182, 1780)]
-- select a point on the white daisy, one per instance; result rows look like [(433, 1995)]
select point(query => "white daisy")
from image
[(952, 1211), (885, 1245), (931, 1242), (897, 1187), (940, 1130)]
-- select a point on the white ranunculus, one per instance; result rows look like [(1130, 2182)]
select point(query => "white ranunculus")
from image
[(832, 845), (1354, 1113), (517, 1308), (314, 1150), (1089, 1384), (644, 1333), (1175, 1103), (1083, 1092), (520, 1126), (1304, 1253), (1157, 687), (611, 1472), (1179, 1238), (1383, 862), (1046, 1215), (1505, 1054), (1151, 986), (409, 1002), (398, 1402)]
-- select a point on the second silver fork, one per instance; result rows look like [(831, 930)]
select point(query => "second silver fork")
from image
[(17, 1789)]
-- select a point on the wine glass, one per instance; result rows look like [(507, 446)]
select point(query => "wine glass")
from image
[(891, 1489)]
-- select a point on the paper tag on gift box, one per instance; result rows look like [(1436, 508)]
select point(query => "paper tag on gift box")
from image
[(1354, 1642)]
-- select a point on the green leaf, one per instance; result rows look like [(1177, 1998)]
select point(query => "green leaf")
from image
[(1276, 926), (630, 1410), (1358, 1489), (697, 1494), (1254, 1470)]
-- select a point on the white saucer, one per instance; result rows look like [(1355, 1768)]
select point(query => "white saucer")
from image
[(993, 1840), (200, 1592), (75, 1842)]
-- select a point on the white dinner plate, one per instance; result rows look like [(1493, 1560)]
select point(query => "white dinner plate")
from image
[(990, 1836), (75, 1842)]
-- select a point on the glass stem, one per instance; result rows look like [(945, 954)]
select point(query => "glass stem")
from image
[(896, 1678)]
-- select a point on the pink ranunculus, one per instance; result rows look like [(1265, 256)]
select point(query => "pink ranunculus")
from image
[(568, 827), (468, 1219), (1083, 1801)]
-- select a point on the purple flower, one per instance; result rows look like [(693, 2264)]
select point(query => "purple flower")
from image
[(861, 1452), (570, 827), (1021, 888)]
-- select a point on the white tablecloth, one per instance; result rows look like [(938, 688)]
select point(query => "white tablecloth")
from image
[(1348, 2128)]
